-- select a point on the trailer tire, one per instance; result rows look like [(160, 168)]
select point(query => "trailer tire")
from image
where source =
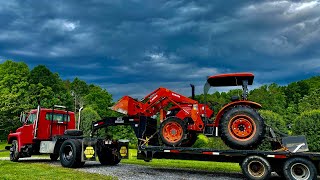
[(106, 157), (172, 131), (256, 168), (14, 151), (70, 153), (299, 168), (242, 127), (54, 157)]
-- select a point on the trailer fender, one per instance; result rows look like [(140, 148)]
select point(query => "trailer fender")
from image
[(224, 108), (15, 136)]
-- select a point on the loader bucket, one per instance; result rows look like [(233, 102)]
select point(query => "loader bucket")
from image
[(295, 143), (128, 106)]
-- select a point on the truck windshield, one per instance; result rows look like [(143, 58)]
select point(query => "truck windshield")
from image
[(58, 117), (31, 118)]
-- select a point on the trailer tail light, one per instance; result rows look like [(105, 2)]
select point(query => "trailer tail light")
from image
[(277, 156), (211, 153)]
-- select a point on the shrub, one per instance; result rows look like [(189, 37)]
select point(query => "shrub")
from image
[(308, 124)]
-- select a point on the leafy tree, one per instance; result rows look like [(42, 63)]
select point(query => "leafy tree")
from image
[(99, 99), (13, 94), (274, 120), (87, 116), (308, 123), (310, 102)]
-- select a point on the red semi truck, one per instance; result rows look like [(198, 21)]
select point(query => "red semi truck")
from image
[(53, 131)]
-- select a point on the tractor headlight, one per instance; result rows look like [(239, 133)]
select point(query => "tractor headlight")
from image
[(195, 107), (168, 112)]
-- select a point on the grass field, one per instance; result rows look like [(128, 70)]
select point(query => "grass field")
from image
[(23, 170), (4, 153), (171, 163)]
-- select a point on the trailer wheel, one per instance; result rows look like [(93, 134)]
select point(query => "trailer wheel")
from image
[(299, 168), (172, 131), (54, 157), (14, 152), (106, 157), (242, 128), (256, 168), (70, 153)]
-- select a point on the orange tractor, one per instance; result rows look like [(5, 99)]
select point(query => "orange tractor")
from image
[(181, 118)]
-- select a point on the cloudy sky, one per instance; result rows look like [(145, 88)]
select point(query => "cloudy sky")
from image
[(131, 47)]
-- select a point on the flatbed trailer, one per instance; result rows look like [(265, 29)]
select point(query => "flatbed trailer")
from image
[(291, 161)]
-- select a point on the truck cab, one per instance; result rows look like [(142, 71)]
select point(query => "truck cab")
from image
[(40, 126)]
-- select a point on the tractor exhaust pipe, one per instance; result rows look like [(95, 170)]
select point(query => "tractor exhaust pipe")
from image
[(192, 91)]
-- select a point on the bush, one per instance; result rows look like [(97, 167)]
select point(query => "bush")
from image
[(274, 120), (202, 141), (308, 124), (212, 142), (87, 116)]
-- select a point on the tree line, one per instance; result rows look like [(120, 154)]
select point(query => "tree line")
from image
[(293, 109)]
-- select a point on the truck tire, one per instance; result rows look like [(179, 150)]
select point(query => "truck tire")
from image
[(70, 153), (299, 168), (14, 151), (73, 132), (54, 157), (242, 127), (256, 168), (172, 131), (106, 157)]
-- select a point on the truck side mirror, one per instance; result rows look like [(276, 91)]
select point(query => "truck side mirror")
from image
[(23, 118)]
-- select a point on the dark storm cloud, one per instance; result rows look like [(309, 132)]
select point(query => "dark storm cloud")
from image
[(134, 46)]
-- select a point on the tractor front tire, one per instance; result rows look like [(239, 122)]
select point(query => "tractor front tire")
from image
[(172, 131), (70, 154), (242, 127), (14, 151)]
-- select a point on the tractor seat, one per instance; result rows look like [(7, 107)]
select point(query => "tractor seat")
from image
[(235, 98)]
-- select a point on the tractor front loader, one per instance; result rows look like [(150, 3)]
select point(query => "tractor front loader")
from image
[(181, 118)]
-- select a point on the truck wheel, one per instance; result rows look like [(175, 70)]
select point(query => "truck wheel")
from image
[(14, 152), (70, 153), (242, 128), (54, 157), (172, 131), (299, 168), (256, 168), (106, 157)]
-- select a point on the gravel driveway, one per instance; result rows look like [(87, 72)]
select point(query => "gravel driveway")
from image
[(139, 172)]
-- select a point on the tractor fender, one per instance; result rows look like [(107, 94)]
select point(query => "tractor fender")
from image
[(15, 136), (224, 108)]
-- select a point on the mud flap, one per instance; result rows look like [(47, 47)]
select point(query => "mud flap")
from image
[(295, 143), (88, 149)]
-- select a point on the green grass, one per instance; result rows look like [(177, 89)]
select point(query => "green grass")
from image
[(25, 170), (5, 153), (188, 164)]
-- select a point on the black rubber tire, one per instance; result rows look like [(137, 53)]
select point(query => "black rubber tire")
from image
[(170, 120), (293, 168), (14, 152), (256, 168), (72, 160), (255, 138), (106, 157), (73, 132), (54, 157), (191, 139)]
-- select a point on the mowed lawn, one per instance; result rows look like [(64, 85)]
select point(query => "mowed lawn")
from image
[(17, 170)]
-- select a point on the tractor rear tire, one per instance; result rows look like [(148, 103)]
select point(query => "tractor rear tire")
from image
[(172, 131), (70, 153), (242, 127), (14, 151)]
